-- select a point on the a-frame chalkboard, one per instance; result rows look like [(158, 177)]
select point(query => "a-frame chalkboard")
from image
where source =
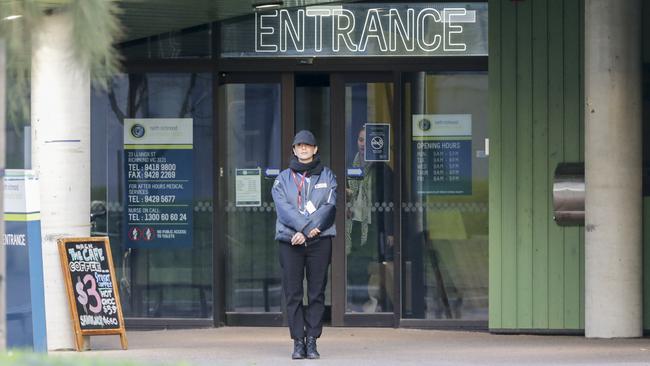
[(92, 290)]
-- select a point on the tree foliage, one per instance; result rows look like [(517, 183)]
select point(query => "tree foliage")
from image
[(95, 29)]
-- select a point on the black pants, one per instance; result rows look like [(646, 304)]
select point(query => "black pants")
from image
[(315, 257)]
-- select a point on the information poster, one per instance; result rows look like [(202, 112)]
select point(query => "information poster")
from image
[(442, 149), (158, 165), (377, 142), (248, 187)]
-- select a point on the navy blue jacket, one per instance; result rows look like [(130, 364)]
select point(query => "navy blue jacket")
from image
[(321, 191)]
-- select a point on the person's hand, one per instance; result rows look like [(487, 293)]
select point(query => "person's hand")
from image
[(313, 233), (348, 193), (298, 239), (390, 240)]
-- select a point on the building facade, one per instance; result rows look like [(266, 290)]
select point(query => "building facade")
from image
[(444, 123)]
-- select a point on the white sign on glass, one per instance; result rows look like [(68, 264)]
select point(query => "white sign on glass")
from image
[(248, 187)]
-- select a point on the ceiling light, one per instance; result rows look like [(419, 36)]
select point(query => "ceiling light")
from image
[(265, 5), (12, 17)]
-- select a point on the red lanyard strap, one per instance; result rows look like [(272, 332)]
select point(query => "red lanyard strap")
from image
[(299, 185)]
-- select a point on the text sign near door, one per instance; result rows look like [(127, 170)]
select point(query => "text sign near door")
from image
[(90, 282), (158, 171), (360, 30), (442, 154), (377, 142)]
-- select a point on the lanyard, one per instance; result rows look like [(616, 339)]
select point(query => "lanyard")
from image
[(299, 185)]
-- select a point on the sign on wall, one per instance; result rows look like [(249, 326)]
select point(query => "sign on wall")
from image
[(386, 29), (158, 171), (442, 149), (89, 277)]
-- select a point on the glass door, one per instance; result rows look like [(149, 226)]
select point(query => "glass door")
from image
[(444, 211), (250, 159), (365, 160)]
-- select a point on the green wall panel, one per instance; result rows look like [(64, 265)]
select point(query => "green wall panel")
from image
[(535, 75)]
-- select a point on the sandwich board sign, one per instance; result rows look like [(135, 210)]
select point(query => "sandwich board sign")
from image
[(91, 286)]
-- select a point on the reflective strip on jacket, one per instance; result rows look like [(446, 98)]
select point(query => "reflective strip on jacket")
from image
[(320, 190)]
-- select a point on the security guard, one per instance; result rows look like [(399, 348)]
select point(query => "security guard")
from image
[(305, 199)]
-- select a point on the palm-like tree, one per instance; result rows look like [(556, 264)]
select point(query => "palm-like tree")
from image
[(95, 29)]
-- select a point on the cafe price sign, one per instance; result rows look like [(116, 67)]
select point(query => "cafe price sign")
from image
[(158, 170), (442, 154)]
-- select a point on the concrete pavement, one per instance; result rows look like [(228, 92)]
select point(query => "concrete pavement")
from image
[(365, 346)]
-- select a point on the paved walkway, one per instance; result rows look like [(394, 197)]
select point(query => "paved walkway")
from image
[(365, 346)]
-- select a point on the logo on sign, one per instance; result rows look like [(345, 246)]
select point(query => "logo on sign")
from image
[(137, 131), (377, 142), (424, 124)]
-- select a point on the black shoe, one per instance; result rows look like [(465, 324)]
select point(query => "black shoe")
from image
[(298, 349), (312, 352)]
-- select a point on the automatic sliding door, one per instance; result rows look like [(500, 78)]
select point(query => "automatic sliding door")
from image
[(251, 112), (369, 209)]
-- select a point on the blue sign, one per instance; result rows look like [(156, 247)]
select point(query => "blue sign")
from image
[(377, 142), (24, 260), (442, 154), (159, 188)]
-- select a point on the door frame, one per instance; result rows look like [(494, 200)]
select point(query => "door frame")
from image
[(338, 80), (341, 71)]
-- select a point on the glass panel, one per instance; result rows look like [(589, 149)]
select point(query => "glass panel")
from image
[(155, 282), (195, 42), (312, 112), (252, 117), (445, 208), (312, 96), (369, 197)]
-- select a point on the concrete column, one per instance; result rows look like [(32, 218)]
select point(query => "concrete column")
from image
[(613, 266), (61, 158)]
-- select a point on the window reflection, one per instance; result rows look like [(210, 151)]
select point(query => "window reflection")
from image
[(252, 116), (156, 282), (445, 208), (369, 231)]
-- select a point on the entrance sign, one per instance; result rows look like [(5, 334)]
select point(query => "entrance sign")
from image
[(92, 290), (248, 187), (442, 149), (377, 142), (25, 315), (158, 160), (419, 29)]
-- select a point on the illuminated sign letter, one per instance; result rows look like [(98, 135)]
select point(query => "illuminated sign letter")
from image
[(339, 32), (261, 30), (421, 30), (372, 28), (318, 15), (407, 34), (459, 14), (287, 28)]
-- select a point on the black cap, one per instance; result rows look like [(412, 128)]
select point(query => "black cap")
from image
[(304, 137)]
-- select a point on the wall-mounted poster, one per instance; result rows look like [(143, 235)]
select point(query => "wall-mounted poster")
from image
[(158, 171), (442, 154)]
